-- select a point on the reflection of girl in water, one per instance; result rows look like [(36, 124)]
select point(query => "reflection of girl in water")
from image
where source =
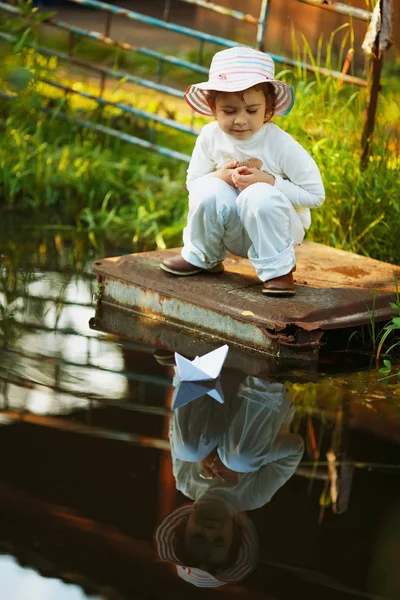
[(228, 458)]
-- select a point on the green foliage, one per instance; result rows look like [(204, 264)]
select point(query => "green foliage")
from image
[(391, 331), (386, 370), (80, 179), (361, 212)]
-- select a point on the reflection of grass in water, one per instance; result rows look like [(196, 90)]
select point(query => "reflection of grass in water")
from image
[(324, 413), (28, 253)]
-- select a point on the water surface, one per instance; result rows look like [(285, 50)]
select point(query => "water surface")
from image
[(86, 468)]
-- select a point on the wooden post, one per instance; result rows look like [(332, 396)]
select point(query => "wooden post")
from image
[(372, 101), (370, 111)]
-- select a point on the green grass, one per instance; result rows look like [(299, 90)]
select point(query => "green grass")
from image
[(76, 178)]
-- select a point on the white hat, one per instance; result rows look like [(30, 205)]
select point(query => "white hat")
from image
[(235, 70), (165, 538)]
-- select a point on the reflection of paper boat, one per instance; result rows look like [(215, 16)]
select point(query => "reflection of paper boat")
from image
[(202, 368), (187, 391)]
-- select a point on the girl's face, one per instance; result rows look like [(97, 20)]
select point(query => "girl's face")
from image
[(240, 115), (210, 527)]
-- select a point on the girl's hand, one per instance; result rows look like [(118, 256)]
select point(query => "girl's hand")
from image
[(226, 172), (242, 177), (220, 470), (212, 466)]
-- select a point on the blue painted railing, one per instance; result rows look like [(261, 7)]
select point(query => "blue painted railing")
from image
[(203, 38)]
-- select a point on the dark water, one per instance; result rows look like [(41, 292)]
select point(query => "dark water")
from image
[(86, 469)]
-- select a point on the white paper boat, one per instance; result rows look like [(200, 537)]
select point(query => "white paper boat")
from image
[(202, 368), (187, 391)]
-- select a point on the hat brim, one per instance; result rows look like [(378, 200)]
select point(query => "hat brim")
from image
[(246, 561), (197, 99)]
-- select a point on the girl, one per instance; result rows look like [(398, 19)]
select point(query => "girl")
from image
[(250, 184)]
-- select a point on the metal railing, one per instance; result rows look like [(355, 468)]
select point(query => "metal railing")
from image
[(162, 59)]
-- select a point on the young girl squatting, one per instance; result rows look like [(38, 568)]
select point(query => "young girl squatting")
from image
[(251, 185)]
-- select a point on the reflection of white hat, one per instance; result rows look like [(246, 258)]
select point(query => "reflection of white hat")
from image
[(165, 538), (235, 70)]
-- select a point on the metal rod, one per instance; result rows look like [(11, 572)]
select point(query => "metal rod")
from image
[(160, 71), (223, 10), (172, 91), (134, 16), (100, 69), (107, 28), (167, 8), (321, 70), (107, 31), (71, 43), (127, 138), (200, 52), (99, 37), (130, 139), (340, 8), (192, 66), (262, 24), (126, 108), (336, 7)]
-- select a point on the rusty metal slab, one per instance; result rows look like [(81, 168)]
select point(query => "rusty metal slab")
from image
[(335, 290), (151, 333)]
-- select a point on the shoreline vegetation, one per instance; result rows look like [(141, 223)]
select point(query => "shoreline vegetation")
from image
[(62, 177)]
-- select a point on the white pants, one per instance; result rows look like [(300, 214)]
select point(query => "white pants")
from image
[(259, 223)]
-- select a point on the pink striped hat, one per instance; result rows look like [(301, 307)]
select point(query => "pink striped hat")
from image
[(246, 561), (235, 70)]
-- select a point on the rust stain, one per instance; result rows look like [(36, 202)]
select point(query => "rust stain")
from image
[(348, 271)]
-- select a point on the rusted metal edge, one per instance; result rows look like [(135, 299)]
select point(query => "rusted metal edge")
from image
[(374, 306), (244, 332)]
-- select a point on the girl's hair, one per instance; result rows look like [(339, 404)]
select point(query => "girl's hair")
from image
[(269, 93)]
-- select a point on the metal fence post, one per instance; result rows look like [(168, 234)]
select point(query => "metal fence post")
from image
[(262, 23)]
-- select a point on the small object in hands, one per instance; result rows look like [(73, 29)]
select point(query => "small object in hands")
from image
[(177, 265), (202, 368), (280, 286), (251, 163), (203, 475)]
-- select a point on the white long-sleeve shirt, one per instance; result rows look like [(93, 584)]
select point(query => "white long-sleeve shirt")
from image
[(295, 171), (253, 489), (252, 443)]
